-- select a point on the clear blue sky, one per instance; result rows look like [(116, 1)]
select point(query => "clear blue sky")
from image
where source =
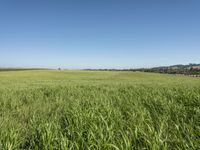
[(99, 33)]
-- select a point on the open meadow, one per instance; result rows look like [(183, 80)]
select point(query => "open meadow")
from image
[(105, 110)]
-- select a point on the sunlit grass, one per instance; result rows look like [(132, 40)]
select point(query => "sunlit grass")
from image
[(98, 110)]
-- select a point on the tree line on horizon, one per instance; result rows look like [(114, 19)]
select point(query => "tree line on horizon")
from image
[(190, 69)]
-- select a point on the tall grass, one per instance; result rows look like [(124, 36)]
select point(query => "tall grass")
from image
[(100, 116)]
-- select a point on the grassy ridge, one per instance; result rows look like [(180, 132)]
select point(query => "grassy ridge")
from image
[(98, 110), (21, 69)]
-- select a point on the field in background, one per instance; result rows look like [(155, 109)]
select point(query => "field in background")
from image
[(49, 109)]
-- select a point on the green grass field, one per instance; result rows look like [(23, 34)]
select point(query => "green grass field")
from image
[(49, 109)]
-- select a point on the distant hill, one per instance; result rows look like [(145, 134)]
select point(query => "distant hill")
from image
[(190, 69)]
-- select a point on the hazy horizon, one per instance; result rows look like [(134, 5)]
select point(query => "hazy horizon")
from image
[(99, 34)]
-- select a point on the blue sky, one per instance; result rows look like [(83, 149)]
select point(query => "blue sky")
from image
[(99, 33)]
